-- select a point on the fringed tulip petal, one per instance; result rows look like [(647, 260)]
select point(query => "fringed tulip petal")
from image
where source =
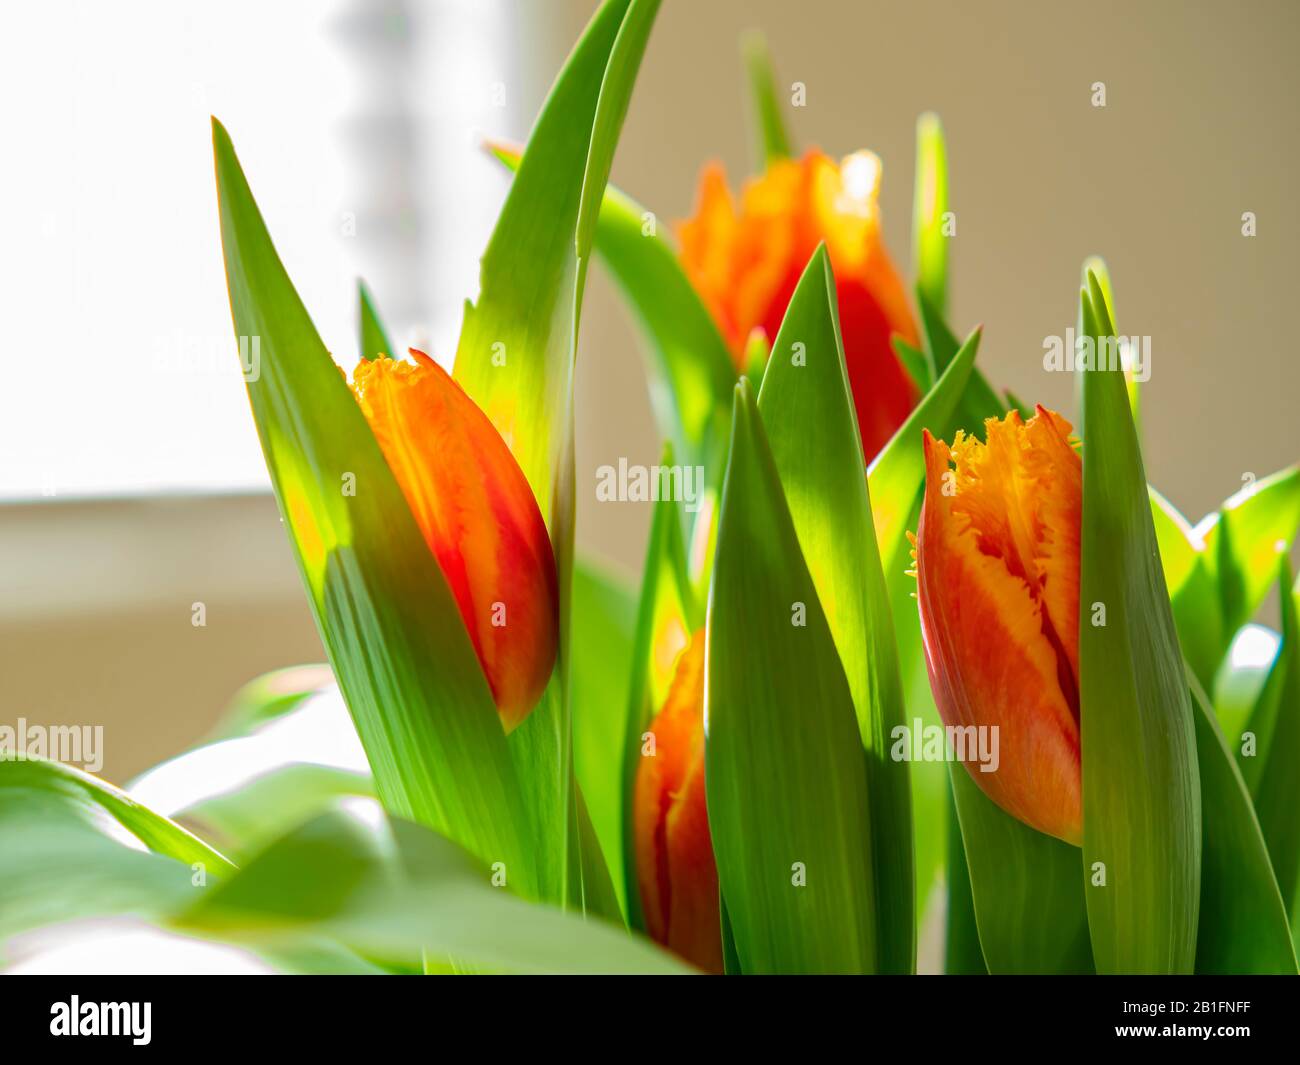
[(745, 262), (997, 563)]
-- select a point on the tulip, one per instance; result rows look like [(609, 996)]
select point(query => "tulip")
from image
[(997, 567), (676, 873), (479, 519), (745, 264)]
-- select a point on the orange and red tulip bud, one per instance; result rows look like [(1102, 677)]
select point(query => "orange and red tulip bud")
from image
[(478, 516), (997, 565), (746, 259), (676, 874)]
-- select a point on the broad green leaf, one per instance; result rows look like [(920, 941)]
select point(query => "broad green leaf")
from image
[(61, 863), (691, 371), (604, 623), (396, 890), (667, 616), (978, 400), (962, 953), (275, 762), (808, 413), (611, 109), (1198, 615), (270, 696), (516, 360), (896, 474), (516, 351), (374, 340), (929, 205), (1141, 786), (92, 795), (1243, 921), (1242, 543), (1180, 547), (1028, 895), (785, 770), (432, 736), (1095, 266), (770, 139), (1275, 768), (1242, 681)]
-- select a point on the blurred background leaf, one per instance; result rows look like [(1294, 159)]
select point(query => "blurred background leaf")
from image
[(771, 141)]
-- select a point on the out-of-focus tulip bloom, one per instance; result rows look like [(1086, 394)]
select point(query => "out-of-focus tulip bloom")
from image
[(478, 516), (674, 852), (746, 260), (997, 565)]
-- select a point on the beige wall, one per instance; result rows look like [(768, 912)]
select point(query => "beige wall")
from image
[(1200, 126)]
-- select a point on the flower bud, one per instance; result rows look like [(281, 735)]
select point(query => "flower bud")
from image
[(478, 516), (997, 566)]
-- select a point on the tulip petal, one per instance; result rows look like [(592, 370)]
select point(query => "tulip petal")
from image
[(478, 516), (991, 657), (677, 877)]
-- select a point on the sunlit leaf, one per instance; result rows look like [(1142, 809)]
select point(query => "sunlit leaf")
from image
[(374, 340), (1141, 786), (432, 736), (808, 413), (796, 875)]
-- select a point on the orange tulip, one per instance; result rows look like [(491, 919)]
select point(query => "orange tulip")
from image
[(997, 565), (745, 264), (676, 873), (478, 516)]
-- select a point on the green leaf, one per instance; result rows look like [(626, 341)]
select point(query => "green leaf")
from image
[(1028, 895), (1180, 547), (808, 413), (1243, 540), (979, 400), (691, 371), (246, 818), (604, 622), (771, 141), (666, 618), (432, 736), (962, 953), (516, 360), (60, 863), (796, 875), (400, 891), (1244, 679), (1141, 787), (929, 204), (517, 345), (1243, 922), (1275, 768), (896, 474), (374, 340), (1095, 266)]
